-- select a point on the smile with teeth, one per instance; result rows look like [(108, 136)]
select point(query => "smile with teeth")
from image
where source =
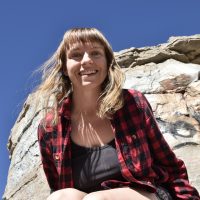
[(88, 72)]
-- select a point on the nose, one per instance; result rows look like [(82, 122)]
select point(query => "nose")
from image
[(86, 59)]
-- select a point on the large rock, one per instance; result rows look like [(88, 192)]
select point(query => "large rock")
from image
[(26, 179), (168, 75), (184, 49)]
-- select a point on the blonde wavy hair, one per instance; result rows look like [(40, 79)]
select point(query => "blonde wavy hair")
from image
[(55, 86)]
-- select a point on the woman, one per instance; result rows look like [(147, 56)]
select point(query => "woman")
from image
[(98, 141)]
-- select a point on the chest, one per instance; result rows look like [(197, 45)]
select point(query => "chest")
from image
[(131, 144), (91, 133)]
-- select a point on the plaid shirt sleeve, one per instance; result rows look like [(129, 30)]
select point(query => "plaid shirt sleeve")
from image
[(177, 183), (44, 139)]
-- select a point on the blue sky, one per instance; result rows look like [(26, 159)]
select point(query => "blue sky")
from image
[(31, 30)]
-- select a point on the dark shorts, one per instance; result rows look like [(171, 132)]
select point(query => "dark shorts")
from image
[(163, 194)]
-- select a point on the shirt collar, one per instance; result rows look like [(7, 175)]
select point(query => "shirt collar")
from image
[(65, 107)]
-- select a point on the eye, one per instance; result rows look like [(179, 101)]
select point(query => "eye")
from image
[(96, 53), (76, 55)]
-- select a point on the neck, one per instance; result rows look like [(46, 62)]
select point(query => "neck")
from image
[(85, 101)]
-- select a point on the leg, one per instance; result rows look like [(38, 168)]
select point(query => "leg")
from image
[(68, 193), (120, 194)]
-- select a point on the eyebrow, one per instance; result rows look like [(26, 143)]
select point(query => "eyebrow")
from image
[(77, 48)]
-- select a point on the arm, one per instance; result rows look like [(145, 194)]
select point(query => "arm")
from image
[(178, 183), (44, 139)]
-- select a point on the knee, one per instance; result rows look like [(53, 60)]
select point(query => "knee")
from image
[(68, 193), (57, 195), (95, 196)]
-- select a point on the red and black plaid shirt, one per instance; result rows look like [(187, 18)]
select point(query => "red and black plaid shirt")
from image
[(145, 158)]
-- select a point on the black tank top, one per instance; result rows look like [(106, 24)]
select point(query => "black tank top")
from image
[(92, 166)]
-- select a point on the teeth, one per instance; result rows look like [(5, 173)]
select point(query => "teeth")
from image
[(87, 72)]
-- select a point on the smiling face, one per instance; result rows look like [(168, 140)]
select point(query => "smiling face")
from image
[(86, 65)]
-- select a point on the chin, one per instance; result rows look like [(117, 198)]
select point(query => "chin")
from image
[(90, 85)]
